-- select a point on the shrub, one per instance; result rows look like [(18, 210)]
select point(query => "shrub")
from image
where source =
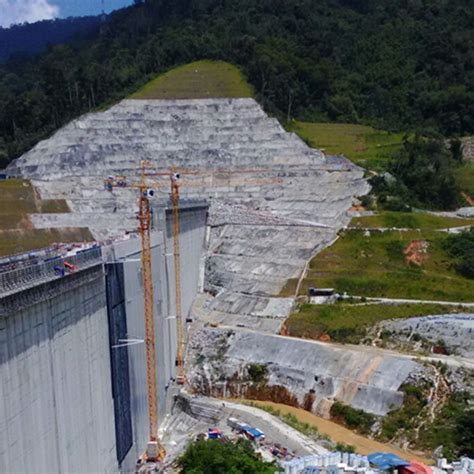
[(404, 417), (216, 457), (461, 247), (257, 372), (353, 418), (345, 448), (453, 428)]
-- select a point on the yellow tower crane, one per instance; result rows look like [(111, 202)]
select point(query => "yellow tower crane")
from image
[(154, 451)]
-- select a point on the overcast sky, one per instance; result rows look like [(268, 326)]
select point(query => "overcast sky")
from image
[(19, 11)]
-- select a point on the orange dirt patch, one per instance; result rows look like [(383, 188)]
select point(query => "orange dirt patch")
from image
[(468, 198), (416, 252), (358, 208)]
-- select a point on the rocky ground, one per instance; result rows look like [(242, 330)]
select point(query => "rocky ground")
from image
[(448, 333)]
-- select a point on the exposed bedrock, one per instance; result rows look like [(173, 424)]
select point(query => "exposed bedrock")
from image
[(453, 331), (305, 373), (265, 224)]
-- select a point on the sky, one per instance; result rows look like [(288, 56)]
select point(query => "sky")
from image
[(20, 11)]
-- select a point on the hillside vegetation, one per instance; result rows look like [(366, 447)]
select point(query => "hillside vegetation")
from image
[(393, 64), (32, 38), (410, 220), (198, 80), (381, 264), (362, 144), (348, 323), (18, 199)]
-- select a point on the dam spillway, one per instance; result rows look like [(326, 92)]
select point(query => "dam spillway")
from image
[(73, 397)]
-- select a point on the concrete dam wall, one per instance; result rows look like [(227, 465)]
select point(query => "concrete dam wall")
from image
[(71, 400), (56, 410)]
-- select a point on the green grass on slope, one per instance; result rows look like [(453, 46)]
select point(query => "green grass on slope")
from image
[(363, 145), (375, 266), (17, 200), (23, 240), (465, 178), (410, 220), (348, 322), (198, 80)]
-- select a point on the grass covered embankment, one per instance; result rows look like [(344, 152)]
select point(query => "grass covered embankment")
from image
[(349, 323), (362, 144), (197, 80), (18, 199), (377, 264), (409, 220)]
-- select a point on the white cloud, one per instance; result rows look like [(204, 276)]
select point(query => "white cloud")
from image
[(20, 11)]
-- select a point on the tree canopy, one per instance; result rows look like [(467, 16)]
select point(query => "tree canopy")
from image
[(396, 64), (217, 457)]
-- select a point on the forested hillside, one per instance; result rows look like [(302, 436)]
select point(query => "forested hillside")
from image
[(396, 64), (33, 38)]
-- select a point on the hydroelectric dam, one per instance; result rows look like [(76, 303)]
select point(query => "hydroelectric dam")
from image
[(72, 364)]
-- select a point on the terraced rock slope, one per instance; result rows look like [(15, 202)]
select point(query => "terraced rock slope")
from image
[(262, 232), (310, 374)]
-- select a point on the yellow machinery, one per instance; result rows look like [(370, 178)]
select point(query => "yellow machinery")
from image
[(155, 451)]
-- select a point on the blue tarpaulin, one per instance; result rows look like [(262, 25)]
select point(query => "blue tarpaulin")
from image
[(386, 461), (254, 432)]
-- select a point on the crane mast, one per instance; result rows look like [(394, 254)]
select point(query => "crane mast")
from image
[(144, 219), (181, 376), (154, 451)]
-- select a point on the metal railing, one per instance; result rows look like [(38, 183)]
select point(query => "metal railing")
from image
[(50, 269)]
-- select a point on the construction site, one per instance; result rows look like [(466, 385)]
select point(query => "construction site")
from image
[(117, 351)]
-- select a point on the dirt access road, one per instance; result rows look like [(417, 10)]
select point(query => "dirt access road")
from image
[(340, 434)]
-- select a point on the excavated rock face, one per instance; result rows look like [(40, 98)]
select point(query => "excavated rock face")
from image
[(453, 331), (304, 373), (262, 233)]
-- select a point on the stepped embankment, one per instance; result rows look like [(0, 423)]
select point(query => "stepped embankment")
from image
[(265, 224)]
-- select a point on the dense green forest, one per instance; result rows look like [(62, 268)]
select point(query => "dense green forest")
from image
[(396, 64), (423, 176)]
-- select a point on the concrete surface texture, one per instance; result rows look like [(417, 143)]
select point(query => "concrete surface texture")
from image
[(127, 254), (73, 398), (56, 405), (267, 222), (357, 376), (456, 331)]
